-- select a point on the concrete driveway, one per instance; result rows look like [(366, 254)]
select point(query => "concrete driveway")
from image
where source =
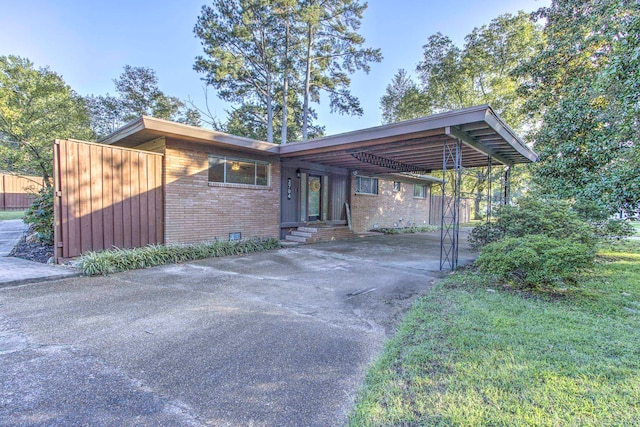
[(281, 338)]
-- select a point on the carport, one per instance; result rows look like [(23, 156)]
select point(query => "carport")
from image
[(447, 142)]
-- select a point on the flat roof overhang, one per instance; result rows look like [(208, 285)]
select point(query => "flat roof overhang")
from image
[(418, 144), (146, 129)]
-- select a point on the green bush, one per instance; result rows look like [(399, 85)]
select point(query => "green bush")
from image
[(114, 260), (534, 216), (405, 230), (600, 220), (484, 234), (535, 260), (40, 215)]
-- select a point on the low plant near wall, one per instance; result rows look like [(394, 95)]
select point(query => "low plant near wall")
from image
[(114, 260), (404, 230)]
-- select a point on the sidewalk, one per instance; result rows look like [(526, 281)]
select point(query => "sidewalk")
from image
[(14, 271), (10, 233)]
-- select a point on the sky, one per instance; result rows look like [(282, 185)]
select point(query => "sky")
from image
[(89, 43)]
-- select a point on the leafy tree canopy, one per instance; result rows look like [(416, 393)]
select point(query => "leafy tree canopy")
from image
[(36, 107), (137, 94), (583, 86), (277, 57), (481, 72)]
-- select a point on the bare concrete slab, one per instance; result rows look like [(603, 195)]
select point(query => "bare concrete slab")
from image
[(277, 338), (17, 271)]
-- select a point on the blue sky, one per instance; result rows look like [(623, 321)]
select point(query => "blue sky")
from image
[(89, 42)]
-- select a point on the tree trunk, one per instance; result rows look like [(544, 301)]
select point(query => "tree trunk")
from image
[(269, 111), (307, 86), (285, 84)]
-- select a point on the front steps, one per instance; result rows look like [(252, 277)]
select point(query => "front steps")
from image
[(317, 234)]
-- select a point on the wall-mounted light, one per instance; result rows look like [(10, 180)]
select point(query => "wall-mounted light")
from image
[(235, 166), (298, 173)]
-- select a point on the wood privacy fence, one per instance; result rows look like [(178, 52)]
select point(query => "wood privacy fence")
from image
[(105, 196), (435, 213), (17, 191)]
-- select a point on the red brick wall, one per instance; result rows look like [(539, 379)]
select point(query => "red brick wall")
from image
[(388, 207), (196, 211)]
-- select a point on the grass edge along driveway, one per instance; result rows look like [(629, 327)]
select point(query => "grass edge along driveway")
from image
[(475, 353)]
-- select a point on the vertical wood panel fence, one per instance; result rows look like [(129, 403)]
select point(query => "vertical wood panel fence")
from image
[(435, 212), (16, 191), (104, 197)]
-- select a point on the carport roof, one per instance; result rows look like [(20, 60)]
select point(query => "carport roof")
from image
[(418, 143), (410, 146)]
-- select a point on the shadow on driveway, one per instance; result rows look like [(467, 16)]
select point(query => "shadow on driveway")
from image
[(276, 338)]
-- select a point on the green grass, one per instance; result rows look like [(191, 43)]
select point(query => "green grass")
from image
[(4, 215), (473, 353), (636, 226)]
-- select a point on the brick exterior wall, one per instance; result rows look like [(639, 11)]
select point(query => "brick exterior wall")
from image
[(196, 211), (388, 207)]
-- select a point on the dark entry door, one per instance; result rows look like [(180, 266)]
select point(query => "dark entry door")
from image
[(314, 198)]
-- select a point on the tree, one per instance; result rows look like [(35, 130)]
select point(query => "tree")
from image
[(138, 94), (443, 75), (333, 50), (581, 85), (36, 106), (263, 54), (403, 100), (483, 71), (106, 113), (240, 39)]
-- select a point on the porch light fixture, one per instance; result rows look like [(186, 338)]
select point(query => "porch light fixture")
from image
[(298, 173), (235, 166)]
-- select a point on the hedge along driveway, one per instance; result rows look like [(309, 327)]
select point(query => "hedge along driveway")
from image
[(272, 338)]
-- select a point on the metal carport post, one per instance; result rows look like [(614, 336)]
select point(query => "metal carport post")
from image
[(450, 218)]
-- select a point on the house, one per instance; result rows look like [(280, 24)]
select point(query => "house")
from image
[(219, 186)]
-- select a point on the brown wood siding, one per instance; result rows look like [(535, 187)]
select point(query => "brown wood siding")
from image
[(290, 208), (338, 196), (105, 196), (17, 191), (435, 214)]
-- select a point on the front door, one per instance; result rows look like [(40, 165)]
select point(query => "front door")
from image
[(314, 198)]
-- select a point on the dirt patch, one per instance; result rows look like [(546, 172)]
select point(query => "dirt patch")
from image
[(32, 251)]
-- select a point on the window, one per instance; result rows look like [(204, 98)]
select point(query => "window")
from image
[(396, 185), (366, 185), (420, 191), (238, 171)]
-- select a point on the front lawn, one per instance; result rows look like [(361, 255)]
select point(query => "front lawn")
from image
[(474, 353), (4, 215)]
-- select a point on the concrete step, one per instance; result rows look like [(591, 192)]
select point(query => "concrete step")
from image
[(308, 229), (301, 233), (298, 239), (288, 244)]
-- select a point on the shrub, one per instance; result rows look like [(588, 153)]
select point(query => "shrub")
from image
[(535, 260), (405, 230), (114, 260), (484, 234), (534, 216), (40, 215), (600, 220)]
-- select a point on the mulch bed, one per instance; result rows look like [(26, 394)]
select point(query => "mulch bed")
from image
[(32, 251)]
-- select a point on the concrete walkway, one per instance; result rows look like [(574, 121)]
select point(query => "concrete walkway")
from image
[(14, 271), (279, 338), (10, 234)]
